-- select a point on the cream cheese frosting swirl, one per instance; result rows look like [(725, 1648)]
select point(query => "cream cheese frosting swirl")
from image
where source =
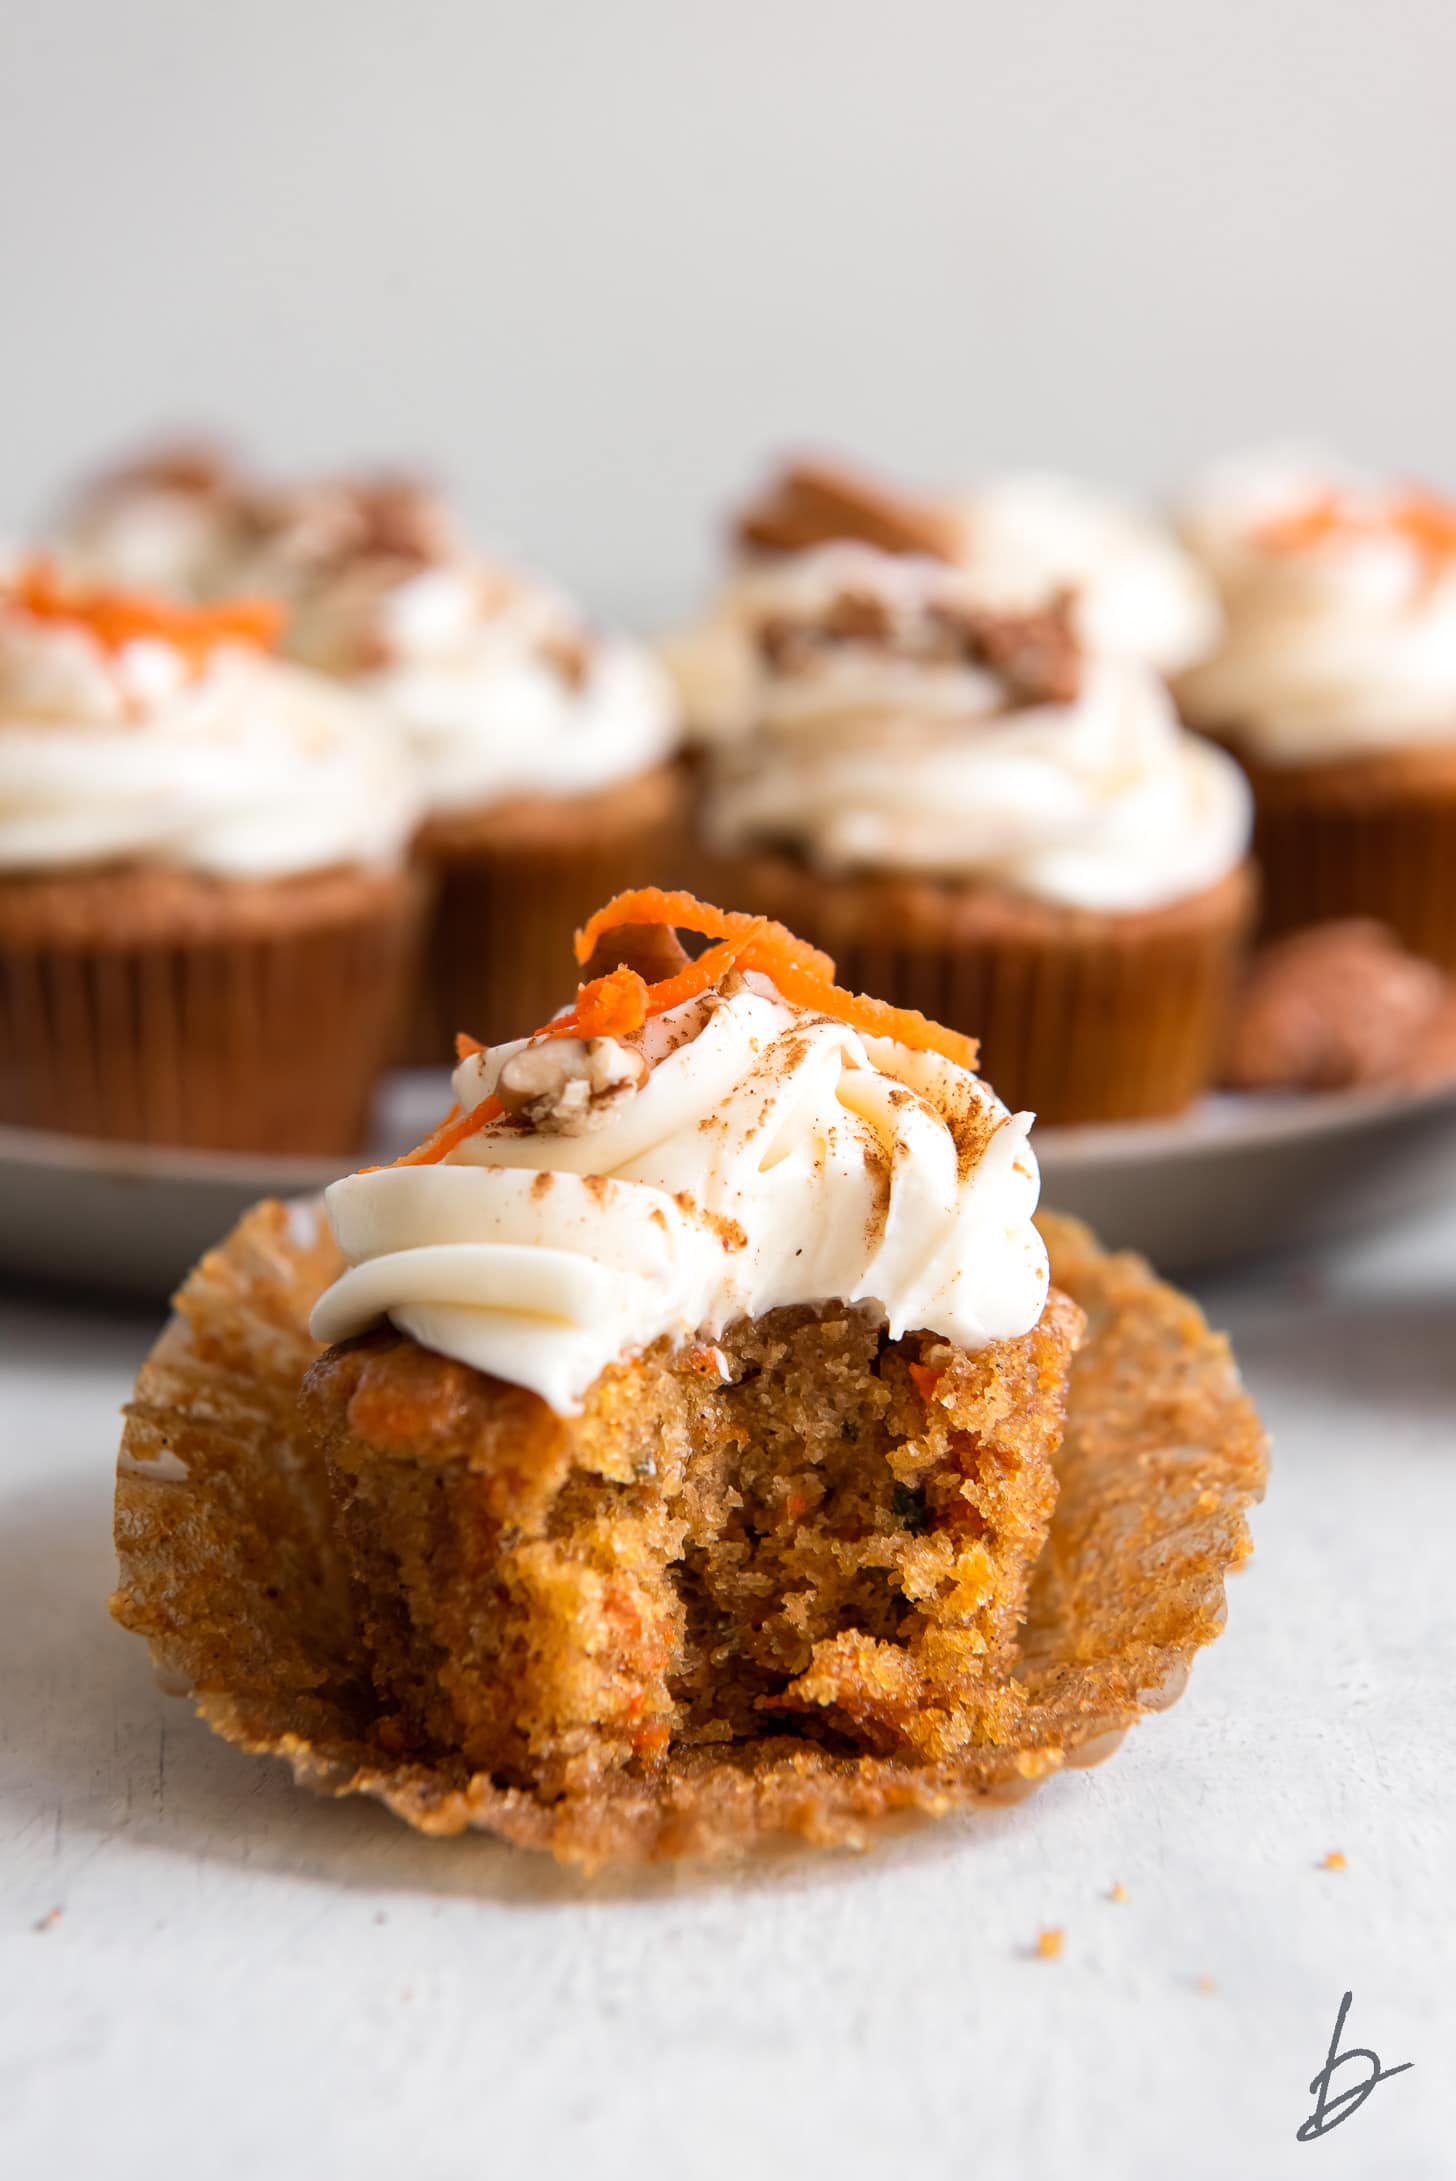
[(498, 686), (500, 693), (867, 723), (1340, 607), (770, 1156), (1139, 593), (232, 765)]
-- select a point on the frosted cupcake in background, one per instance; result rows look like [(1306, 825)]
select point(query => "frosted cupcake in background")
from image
[(206, 915), (1023, 540), (981, 818), (1336, 686), (544, 749), (1137, 592)]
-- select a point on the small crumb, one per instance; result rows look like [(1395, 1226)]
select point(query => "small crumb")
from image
[(380, 1917), (50, 1919), (1334, 1861), (1049, 1943), (1118, 1894), (1205, 1984)]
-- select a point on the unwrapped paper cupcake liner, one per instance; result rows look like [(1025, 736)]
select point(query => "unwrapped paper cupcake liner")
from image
[(232, 1568)]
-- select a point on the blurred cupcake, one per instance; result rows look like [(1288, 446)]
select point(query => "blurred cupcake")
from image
[(1023, 540), (205, 914), (544, 750), (163, 521), (1336, 687), (982, 819), (1137, 592)]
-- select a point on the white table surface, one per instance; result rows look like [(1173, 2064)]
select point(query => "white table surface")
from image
[(205, 1972)]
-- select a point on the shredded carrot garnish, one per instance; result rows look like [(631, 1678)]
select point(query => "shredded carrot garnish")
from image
[(453, 1130), (800, 971), (1426, 523), (651, 905), (466, 1046), (610, 1006), (116, 618), (873, 1018), (620, 1003)]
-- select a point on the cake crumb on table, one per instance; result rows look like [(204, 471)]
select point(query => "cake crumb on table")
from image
[(1205, 1985), (1118, 1893), (1049, 1943), (1334, 1861), (49, 1921)]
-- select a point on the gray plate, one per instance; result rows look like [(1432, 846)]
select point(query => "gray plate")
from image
[(1237, 1178)]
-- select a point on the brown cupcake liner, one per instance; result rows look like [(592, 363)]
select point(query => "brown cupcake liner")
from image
[(1081, 1017), (220, 1486), (1369, 836), (513, 883), (160, 1008)]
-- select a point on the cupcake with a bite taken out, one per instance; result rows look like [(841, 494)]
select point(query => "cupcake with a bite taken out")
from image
[(206, 916), (1335, 685)]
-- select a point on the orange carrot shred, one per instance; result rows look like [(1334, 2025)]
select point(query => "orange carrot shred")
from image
[(620, 1003), (652, 905), (466, 1046), (116, 618), (453, 1130), (926, 1378), (1419, 517), (610, 1006)]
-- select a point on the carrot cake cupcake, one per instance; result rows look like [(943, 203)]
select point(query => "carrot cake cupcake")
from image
[(205, 911), (701, 1375), (980, 817), (1336, 686), (680, 1464), (544, 749), (1023, 540)]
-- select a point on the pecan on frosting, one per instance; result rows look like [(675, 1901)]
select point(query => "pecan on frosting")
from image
[(1035, 654), (820, 503)]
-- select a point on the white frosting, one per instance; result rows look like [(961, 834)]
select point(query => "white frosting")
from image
[(1138, 592), (145, 534), (465, 654), (1339, 647), (243, 769), (772, 1157), (490, 713), (864, 760)]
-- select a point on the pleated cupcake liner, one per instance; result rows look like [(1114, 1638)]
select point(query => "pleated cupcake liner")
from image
[(499, 959), (261, 1041), (1081, 1017), (220, 1484), (1335, 847)]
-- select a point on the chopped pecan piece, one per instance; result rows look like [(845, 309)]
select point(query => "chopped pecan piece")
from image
[(1337, 1006), (653, 950), (820, 503), (564, 1086), (1036, 654)]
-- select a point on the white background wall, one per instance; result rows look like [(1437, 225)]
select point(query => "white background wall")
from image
[(596, 258)]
